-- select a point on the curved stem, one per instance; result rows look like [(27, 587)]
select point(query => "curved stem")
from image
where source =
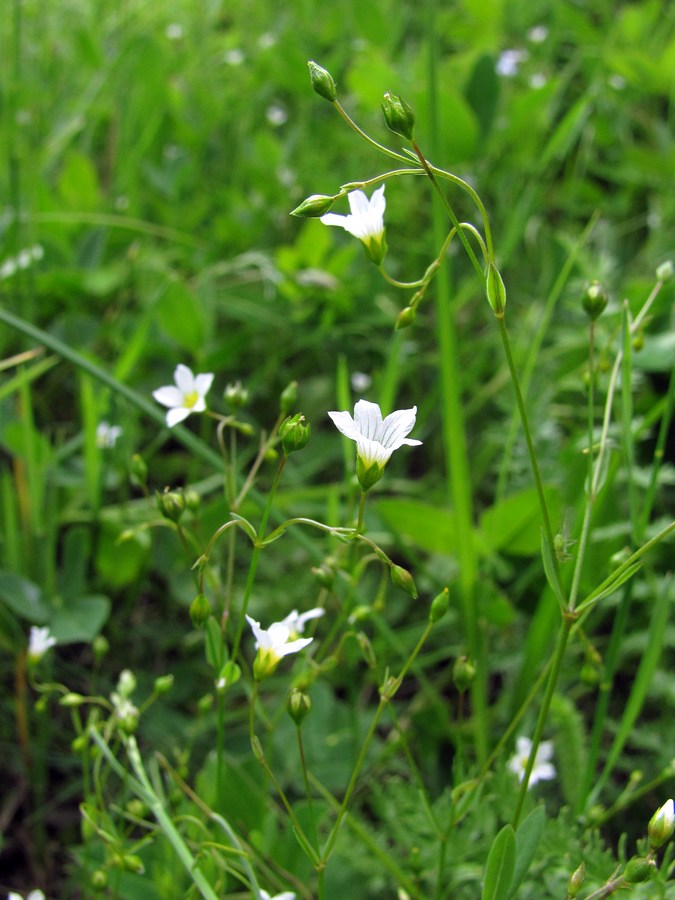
[(352, 124)]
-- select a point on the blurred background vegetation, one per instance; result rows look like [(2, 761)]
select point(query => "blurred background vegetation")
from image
[(153, 152)]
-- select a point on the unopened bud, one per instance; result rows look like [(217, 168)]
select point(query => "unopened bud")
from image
[(100, 647), (439, 606), (298, 706), (398, 115), (313, 207), (405, 318), (294, 433), (594, 300), (192, 499), (171, 505), (463, 673), (495, 290), (665, 271), (163, 684), (576, 880), (235, 395), (639, 869), (404, 580), (72, 700), (200, 610), (132, 863), (322, 81), (324, 576), (661, 825), (99, 880)]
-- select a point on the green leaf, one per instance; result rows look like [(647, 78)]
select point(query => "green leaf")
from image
[(527, 840), (513, 525), (24, 598), (80, 619), (482, 91), (426, 526), (180, 315), (500, 866)]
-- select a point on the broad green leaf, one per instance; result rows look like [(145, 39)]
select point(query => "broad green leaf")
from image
[(428, 527), (80, 619), (500, 865), (513, 525), (24, 598), (528, 837)]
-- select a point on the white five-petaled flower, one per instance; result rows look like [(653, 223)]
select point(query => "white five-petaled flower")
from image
[(376, 438), (273, 644), (39, 641), (107, 435), (185, 396), (543, 769), (295, 621), (365, 222)]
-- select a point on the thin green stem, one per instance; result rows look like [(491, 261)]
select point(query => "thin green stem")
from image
[(362, 508), (305, 776), (379, 147)]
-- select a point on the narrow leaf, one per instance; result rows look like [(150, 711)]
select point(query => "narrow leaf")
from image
[(500, 865)]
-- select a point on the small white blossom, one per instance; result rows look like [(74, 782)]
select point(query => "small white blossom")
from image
[(365, 222), (39, 641), (509, 61), (273, 644), (295, 622), (284, 895), (32, 895), (186, 396), (543, 770), (107, 435), (537, 34), (376, 438), (234, 57), (174, 31)]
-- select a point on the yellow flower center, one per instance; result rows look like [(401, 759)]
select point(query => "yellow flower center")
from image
[(190, 399)]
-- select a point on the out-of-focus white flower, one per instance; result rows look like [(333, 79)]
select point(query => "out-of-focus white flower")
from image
[(107, 435), (39, 641), (22, 260), (284, 895), (509, 61), (537, 34), (376, 438), (538, 80), (273, 644), (543, 769), (174, 31), (360, 382), (295, 622), (276, 114), (186, 396), (365, 222), (234, 57), (32, 895)]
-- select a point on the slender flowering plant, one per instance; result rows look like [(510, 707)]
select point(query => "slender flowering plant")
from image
[(365, 222), (376, 438), (543, 769), (273, 644), (39, 641), (186, 396)]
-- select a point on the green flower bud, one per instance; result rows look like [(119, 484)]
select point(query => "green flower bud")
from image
[(235, 395), (72, 700), (495, 290), (192, 499), (163, 684), (200, 610), (136, 808), (661, 825), (463, 673), (639, 869), (322, 81), (298, 706), (665, 271), (100, 647), (405, 318), (138, 471), (360, 614), (439, 606), (294, 433), (205, 704), (314, 207), (79, 745), (171, 505), (576, 880), (404, 580), (289, 397), (398, 116), (133, 863), (324, 576), (99, 880), (594, 300)]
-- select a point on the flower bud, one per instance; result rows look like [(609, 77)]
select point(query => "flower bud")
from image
[(639, 869), (99, 880), (200, 610), (79, 744), (576, 880), (495, 290), (298, 706), (398, 116), (314, 206), (192, 499), (138, 471), (289, 397), (404, 580), (126, 683), (205, 704), (235, 395), (463, 673), (661, 825), (100, 647), (594, 300), (322, 81), (324, 576), (439, 606), (132, 863), (665, 271), (171, 505), (72, 700), (405, 318), (294, 433), (163, 684)]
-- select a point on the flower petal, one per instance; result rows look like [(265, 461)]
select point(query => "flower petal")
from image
[(368, 419), (176, 415), (358, 203), (184, 379), (346, 425), (203, 383), (168, 396), (334, 219)]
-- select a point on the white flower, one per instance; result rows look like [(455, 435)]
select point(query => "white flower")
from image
[(106, 435), (509, 61), (376, 438), (365, 222), (39, 641), (186, 396), (32, 895), (284, 895), (273, 644), (543, 770), (295, 622)]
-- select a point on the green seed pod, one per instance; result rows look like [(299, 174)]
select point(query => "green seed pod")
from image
[(404, 580), (200, 610), (594, 300)]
